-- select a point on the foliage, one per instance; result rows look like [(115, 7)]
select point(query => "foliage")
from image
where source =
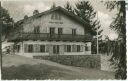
[(7, 21), (85, 11), (69, 7), (119, 25)]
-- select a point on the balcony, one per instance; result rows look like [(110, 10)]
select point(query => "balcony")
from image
[(54, 37)]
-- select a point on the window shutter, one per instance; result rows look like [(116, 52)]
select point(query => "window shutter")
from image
[(38, 48), (25, 48), (65, 48), (73, 48), (81, 48), (47, 48), (34, 47)]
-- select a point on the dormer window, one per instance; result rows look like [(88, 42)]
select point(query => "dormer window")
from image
[(37, 29), (56, 16)]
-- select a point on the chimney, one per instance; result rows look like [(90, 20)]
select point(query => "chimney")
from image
[(25, 17), (53, 6), (35, 12)]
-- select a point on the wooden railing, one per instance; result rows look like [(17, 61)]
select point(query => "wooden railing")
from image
[(56, 37)]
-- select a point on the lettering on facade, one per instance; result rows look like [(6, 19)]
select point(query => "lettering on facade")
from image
[(56, 22)]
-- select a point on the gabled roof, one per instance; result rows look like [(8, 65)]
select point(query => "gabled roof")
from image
[(77, 18), (15, 34)]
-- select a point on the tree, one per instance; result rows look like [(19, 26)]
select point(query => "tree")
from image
[(6, 22), (0, 35), (119, 25), (6, 25), (85, 11), (69, 8)]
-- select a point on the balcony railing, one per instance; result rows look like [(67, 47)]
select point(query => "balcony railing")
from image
[(56, 37)]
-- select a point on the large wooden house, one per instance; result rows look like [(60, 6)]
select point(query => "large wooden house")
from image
[(53, 32)]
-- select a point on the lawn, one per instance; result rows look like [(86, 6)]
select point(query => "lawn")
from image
[(20, 67)]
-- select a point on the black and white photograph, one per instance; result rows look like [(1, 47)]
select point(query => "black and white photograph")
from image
[(63, 39)]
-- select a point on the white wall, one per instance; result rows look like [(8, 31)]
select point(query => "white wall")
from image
[(53, 43), (43, 22)]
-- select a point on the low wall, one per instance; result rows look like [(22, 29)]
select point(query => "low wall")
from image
[(87, 61)]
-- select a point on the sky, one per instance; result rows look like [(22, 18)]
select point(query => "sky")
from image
[(19, 8)]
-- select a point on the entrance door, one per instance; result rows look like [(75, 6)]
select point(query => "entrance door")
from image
[(56, 49)]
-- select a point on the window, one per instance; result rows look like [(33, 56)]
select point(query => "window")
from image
[(68, 48), (60, 31), (78, 48), (52, 31), (17, 48), (56, 16), (37, 29), (53, 16), (42, 48), (73, 31), (30, 48)]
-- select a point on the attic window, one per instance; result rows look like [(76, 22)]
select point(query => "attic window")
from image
[(56, 16)]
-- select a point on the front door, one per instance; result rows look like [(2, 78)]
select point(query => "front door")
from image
[(56, 49)]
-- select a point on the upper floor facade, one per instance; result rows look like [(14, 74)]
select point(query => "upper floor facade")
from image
[(54, 24)]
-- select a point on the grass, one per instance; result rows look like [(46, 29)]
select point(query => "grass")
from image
[(20, 67)]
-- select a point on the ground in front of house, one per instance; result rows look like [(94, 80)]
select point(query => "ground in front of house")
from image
[(20, 67)]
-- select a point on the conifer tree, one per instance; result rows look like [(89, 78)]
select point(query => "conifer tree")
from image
[(6, 22), (69, 8), (85, 11), (119, 25)]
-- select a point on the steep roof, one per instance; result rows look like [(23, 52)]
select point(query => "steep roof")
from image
[(77, 18)]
